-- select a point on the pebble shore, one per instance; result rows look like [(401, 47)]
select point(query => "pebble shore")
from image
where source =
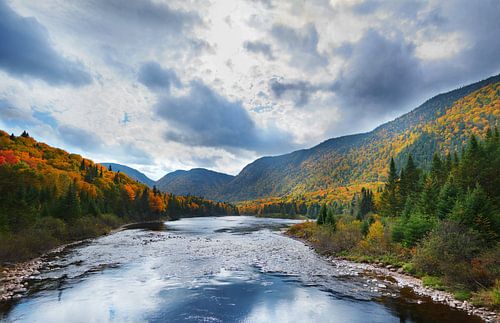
[(403, 280)]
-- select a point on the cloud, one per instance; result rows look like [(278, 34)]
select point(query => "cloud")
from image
[(297, 91), (381, 73), (80, 138), (205, 118), (259, 47), (25, 50), (152, 75), (300, 44)]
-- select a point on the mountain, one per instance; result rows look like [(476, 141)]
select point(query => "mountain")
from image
[(49, 197), (197, 181), (131, 172), (443, 123)]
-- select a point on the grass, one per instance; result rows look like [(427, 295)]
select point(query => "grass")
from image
[(462, 295), (433, 282), (488, 297)]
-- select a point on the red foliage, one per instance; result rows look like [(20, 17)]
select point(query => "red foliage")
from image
[(8, 157)]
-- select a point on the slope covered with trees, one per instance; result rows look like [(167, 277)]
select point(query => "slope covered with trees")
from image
[(442, 224), (130, 172), (48, 196), (441, 124), (197, 181)]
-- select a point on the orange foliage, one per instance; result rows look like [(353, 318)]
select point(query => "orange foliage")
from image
[(130, 191)]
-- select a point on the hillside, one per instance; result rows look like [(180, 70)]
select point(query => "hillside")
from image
[(49, 196), (131, 172), (197, 181), (442, 124)]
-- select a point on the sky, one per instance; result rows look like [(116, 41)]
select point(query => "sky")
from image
[(161, 85)]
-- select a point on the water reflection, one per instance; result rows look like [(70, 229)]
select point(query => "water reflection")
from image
[(231, 269)]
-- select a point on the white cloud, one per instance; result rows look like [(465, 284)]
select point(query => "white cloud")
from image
[(236, 48)]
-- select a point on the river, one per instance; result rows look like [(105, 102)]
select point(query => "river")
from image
[(224, 269)]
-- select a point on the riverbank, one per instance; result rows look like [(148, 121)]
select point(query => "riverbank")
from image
[(397, 275), (14, 278)]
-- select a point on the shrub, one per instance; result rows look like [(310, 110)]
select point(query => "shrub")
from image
[(448, 251), (410, 230), (376, 241)]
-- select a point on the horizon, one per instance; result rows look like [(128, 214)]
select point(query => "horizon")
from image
[(174, 94)]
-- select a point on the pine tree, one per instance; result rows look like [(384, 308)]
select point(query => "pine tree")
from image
[(322, 215), (330, 219), (389, 205), (409, 179)]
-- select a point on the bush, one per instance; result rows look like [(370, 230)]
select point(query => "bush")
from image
[(110, 220), (304, 230), (376, 242), (410, 230), (448, 251)]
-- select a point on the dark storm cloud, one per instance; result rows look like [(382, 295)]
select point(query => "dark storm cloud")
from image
[(25, 50), (259, 47), (477, 23), (301, 44), (380, 74), (204, 118), (152, 75)]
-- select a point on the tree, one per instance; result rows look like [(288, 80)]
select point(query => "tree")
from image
[(322, 215), (330, 219), (389, 205), (475, 211), (366, 204), (409, 179)]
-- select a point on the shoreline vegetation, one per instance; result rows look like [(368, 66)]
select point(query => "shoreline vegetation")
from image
[(442, 226), (49, 197), (402, 278), (400, 271)]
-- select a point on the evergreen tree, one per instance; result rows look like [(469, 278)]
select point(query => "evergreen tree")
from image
[(446, 199), (322, 215), (330, 219), (389, 205)]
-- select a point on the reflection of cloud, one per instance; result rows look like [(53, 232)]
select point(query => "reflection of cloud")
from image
[(123, 296)]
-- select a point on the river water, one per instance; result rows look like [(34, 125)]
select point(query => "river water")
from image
[(225, 269)]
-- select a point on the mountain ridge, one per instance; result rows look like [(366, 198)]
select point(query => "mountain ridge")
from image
[(302, 170), (131, 172), (353, 158)]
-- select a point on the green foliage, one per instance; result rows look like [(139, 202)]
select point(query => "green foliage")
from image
[(410, 230), (433, 282), (48, 197)]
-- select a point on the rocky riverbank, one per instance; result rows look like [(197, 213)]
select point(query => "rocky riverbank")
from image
[(14, 278), (393, 275)]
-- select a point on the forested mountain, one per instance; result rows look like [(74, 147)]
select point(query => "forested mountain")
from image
[(197, 181), (441, 124), (131, 172), (49, 196)]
